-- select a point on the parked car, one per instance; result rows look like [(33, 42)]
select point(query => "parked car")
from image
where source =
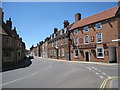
[(31, 57)]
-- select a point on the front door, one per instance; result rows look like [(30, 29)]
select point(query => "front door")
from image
[(87, 56)]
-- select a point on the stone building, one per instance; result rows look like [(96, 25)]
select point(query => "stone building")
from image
[(13, 48), (97, 37)]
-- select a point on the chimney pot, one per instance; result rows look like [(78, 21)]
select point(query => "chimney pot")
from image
[(55, 30), (77, 17), (66, 23)]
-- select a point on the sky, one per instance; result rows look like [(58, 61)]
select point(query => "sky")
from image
[(35, 21)]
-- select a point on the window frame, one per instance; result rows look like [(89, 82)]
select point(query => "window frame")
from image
[(63, 52), (75, 52), (97, 38), (76, 41), (99, 52), (85, 39), (97, 27), (75, 32), (87, 29)]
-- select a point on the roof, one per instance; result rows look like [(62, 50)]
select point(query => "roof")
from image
[(109, 13)]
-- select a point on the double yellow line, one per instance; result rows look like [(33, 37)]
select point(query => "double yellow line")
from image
[(105, 82)]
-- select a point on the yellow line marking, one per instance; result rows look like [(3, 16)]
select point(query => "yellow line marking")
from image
[(105, 82)]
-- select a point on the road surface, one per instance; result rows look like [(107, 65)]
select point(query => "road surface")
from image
[(45, 73)]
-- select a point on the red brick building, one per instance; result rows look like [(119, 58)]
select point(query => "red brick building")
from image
[(58, 44), (96, 38)]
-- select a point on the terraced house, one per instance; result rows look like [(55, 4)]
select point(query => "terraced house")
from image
[(96, 38), (13, 48), (58, 45)]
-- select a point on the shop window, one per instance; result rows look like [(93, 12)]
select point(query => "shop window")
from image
[(75, 53), (100, 52), (58, 52), (62, 51)]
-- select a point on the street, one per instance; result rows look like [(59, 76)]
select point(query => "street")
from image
[(45, 73)]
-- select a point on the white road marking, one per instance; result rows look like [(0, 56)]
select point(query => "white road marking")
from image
[(19, 79), (89, 68), (108, 76), (101, 76), (104, 73), (97, 73), (99, 70), (95, 68)]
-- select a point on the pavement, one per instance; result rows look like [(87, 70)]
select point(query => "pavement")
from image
[(49, 73)]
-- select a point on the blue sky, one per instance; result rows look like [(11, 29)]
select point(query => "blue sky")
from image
[(36, 20)]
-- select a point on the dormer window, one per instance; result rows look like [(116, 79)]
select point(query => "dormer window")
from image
[(61, 32), (98, 26), (65, 30), (86, 29), (54, 35), (75, 31)]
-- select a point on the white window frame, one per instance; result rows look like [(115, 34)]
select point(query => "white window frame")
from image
[(75, 54), (65, 30), (97, 38), (75, 31), (61, 32), (85, 39), (76, 41), (62, 51), (97, 52), (58, 52), (97, 27), (85, 29)]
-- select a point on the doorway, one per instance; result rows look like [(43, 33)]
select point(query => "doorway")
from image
[(87, 56)]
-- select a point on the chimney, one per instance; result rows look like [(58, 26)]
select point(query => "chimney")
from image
[(2, 15), (14, 30), (77, 17), (21, 39), (55, 30), (119, 4), (66, 23), (9, 23)]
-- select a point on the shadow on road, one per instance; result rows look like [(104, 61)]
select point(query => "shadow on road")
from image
[(22, 64)]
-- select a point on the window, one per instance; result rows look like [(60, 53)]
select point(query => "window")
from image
[(58, 52), (65, 40), (75, 31), (86, 29), (61, 32), (100, 52), (54, 35), (75, 41), (65, 30), (98, 26), (52, 44), (62, 51), (51, 36), (75, 53), (99, 37), (8, 41), (86, 39)]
